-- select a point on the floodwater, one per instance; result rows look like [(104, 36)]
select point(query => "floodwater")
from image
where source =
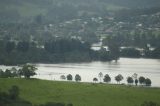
[(149, 68)]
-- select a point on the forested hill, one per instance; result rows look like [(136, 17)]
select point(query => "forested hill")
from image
[(20, 10)]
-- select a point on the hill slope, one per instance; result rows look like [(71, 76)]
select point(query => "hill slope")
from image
[(18, 10), (81, 94)]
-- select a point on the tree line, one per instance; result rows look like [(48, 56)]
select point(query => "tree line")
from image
[(28, 70), (53, 51), (131, 80)]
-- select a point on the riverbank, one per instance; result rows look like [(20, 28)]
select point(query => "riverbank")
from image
[(81, 94)]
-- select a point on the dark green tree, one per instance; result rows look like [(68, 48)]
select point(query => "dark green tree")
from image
[(119, 78), (130, 80), (148, 82), (69, 77), (141, 80), (130, 52), (7, 73), (136, 82), (1, 73), (28, 70), (95, 80), (107, 78), (114, 47), (77, 78)]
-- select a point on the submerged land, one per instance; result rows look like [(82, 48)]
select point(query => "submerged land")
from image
[(81, 94)]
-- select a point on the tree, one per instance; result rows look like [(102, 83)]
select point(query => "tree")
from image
[(141, 80), (136, 81), (107, 78), (62, 77), (114, 51), (95, 80), (28, 70), (100, 75), (104, 55), (119, 78), (1, 73), (14, 72), (130, 80), (130, 52), (114, 47), (77, 77), (148, 82), (134, 76), (69, 77), (7, 73)]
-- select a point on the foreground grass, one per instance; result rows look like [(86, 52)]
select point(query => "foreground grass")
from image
[(81, 94)]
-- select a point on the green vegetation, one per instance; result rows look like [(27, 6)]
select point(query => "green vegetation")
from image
[(25, 35), (11, 98), (81, 94), (22, 10), (54, 51)]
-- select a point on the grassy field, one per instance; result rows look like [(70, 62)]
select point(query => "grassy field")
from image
[(81, 94)]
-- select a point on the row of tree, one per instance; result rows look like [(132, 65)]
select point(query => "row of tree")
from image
[(25, 71), (69, 77), (130, 80), (29, 70)]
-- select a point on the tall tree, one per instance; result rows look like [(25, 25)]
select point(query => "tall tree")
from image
[(100, 75), (114, 47), (28, 70)]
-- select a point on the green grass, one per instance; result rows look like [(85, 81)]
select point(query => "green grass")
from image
[(81, 94)]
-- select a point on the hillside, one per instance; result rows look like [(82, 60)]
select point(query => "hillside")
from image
[(27, 10), (81, 94)]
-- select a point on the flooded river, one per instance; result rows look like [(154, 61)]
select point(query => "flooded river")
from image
[(149, 68)]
